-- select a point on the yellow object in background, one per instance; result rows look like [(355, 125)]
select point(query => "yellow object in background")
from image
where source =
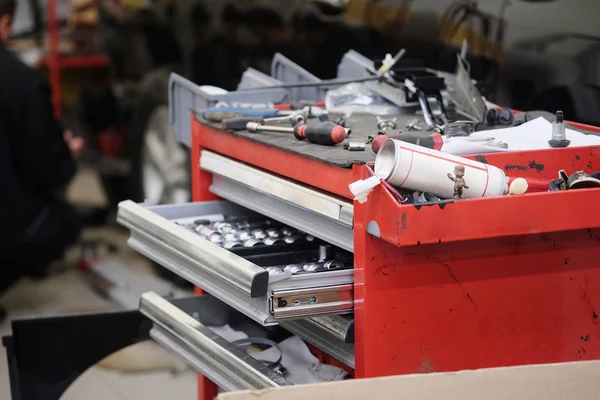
[(136, 4), (379, 16), (84, 12)]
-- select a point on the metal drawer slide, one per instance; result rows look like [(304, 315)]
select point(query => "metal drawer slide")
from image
[(306, 302)]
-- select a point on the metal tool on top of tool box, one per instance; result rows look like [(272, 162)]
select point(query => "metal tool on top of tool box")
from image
[(465, 95), (355, 146), (413, 124), (239, 123), (386, 124), (218, 114), (458, 128), (577, 180), (325, 133), (559, 134), (430, 99)]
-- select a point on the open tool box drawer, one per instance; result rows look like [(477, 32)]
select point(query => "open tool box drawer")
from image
[(183, 327), (201, 330), (238, 276)]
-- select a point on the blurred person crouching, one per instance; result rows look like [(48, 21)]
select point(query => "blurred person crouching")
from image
[(36, 164)]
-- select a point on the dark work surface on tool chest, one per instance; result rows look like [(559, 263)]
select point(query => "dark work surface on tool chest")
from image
[(362, 125)]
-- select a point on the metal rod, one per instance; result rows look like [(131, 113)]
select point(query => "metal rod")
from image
[(254, 127)]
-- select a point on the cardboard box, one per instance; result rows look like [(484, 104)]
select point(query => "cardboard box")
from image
[(575, 380)]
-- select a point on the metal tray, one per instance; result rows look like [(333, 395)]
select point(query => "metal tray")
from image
[(239, 282)]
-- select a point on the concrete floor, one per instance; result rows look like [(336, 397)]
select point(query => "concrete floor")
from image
[(160, 376)]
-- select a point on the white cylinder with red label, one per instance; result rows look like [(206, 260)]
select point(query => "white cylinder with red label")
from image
[(407, 166)]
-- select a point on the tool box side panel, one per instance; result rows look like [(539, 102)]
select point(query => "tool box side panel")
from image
[(475, 304), (544, 164)]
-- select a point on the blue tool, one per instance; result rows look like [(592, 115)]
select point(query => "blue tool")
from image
[(218, 114)]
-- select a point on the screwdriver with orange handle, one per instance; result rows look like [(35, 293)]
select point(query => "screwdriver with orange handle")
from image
[(324, 133)]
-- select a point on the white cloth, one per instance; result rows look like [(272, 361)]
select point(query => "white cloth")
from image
[(301, 365)]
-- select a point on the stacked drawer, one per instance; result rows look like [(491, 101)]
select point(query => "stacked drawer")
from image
[(274, 253)]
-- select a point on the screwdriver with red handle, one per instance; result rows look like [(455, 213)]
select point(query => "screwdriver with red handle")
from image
[(325, 133)]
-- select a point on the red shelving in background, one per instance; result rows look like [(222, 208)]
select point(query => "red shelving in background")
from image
[(55, 62)]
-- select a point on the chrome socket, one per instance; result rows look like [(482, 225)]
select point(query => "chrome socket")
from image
[(275, 271), (205, 230), (244, 235), (228, 237), (294, 239), (294, 268), (224, 228), (231, 244), (332, 265), (253, 243), (270, 241), (259, 234), (274, 233), (324, 252), (287, 231), (215, 238), (312, 267)]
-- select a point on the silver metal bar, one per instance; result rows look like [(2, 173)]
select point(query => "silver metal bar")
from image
[(317, 335), (254, 127), (277, 187), (341, 326), (232, 366), (200, 253), (255, 308)]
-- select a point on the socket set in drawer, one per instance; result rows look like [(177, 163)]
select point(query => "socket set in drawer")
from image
[(282, 250), (235, 232), (269, 282)]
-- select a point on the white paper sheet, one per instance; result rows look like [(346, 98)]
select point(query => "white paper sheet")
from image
[(534, 135), (459, 147)]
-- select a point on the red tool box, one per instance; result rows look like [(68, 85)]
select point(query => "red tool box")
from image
[(473, 284)]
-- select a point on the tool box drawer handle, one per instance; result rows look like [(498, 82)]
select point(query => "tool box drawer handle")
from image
[(231, 366), (208, 257)]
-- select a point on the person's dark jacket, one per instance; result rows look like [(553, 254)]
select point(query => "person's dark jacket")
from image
[(35, 163)]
